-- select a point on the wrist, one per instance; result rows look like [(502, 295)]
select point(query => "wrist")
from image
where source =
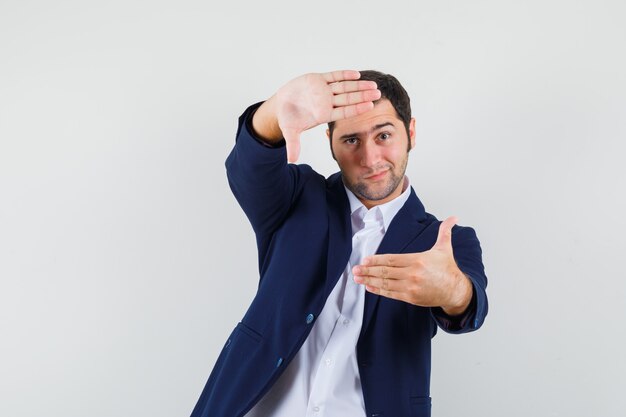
[(265, 122), (461, 295)]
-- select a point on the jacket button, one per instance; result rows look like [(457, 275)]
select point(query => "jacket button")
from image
[(280, 362), (309, 318)]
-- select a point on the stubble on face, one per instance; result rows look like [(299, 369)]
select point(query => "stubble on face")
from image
[(367, 190)]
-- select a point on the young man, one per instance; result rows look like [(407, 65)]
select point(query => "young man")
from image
[(355, 276)]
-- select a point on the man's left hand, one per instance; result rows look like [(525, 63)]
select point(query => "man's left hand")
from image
[(428, 279)]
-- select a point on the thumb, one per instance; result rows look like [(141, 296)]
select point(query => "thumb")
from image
[(444, 238), (292, 140)]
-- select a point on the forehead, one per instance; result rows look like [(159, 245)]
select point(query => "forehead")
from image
[(382, 112)]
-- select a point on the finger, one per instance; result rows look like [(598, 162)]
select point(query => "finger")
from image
[(346, 112), (389, 259), (292, 142), (395, 295), (350, 86), (334, 76), (444, 238), (385, 284), (382, 271), (347, 99)]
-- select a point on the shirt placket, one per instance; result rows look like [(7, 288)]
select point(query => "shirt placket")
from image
[(352, 304)]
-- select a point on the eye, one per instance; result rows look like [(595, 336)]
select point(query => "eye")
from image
[(384, 136), (350, 141)]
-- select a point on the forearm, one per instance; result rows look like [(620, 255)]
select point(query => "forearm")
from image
[(259, 177)]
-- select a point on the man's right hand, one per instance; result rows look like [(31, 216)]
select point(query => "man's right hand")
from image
[(311, 100)]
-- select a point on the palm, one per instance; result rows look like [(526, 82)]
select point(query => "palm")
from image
[(314, 99), (305, 103)]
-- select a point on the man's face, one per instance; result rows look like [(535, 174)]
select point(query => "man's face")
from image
[(371, 150)]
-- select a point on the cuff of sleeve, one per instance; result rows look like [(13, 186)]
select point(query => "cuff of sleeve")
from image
[(247, 122), (251, 151), (462, 323)]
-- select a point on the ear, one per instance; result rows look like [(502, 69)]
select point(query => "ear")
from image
[(330, 143), (412, 132)]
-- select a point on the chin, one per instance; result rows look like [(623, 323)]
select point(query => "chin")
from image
[(371, 193)]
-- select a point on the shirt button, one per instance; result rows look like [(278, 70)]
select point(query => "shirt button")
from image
[(309, 318), (316, 409), (328, 362), (346, 322)]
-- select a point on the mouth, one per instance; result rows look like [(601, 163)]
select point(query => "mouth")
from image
[(376, 176)]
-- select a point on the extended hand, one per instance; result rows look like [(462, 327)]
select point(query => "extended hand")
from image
[(428, 279), (314, 99)]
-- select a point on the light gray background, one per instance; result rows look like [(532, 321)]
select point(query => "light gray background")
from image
[(125, 261)]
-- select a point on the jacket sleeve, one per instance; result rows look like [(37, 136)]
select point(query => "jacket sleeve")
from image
[(468, 256), (262, 181)]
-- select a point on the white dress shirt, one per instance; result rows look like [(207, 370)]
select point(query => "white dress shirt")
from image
[(323, 378)]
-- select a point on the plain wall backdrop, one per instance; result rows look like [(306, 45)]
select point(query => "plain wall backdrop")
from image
[(125, 261)]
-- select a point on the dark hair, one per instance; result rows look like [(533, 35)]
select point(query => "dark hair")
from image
[(391, 89)]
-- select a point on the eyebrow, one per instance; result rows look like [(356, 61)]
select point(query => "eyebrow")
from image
[(375, 128)]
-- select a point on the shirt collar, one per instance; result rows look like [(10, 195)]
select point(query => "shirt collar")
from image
[(387, 210)]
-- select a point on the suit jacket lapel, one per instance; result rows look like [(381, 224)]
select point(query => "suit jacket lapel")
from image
[(340, 232), (404, 228)]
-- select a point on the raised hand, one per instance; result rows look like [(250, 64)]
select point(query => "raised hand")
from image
[(314, 99), (428, 279)]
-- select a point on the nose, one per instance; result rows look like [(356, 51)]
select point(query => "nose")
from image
[(370, 154)]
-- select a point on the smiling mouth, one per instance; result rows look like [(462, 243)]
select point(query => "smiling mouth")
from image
[(377, 175)]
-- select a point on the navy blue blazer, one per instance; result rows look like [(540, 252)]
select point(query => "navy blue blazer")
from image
[(302, 225)]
